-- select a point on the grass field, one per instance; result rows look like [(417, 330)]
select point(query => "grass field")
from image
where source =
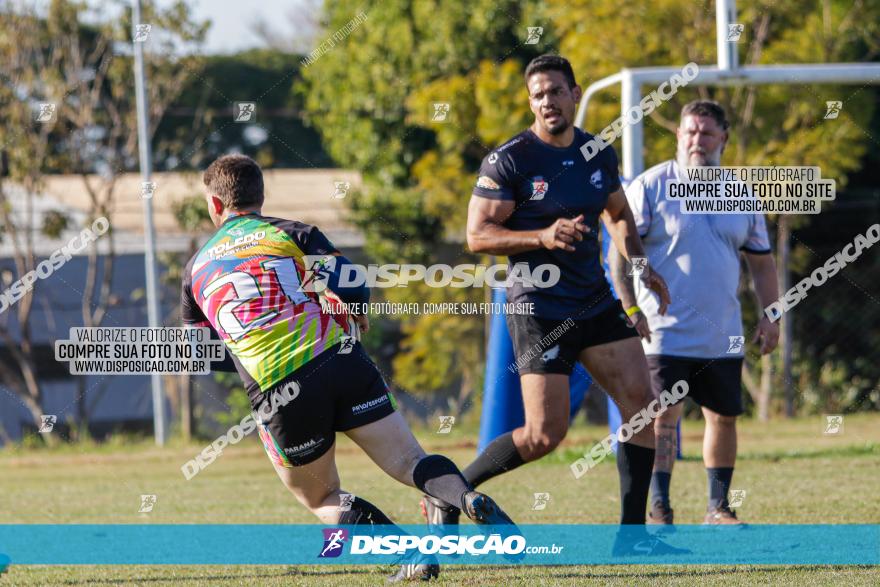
[(792, 473)]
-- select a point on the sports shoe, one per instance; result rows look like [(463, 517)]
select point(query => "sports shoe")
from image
[(722, 516), (482, 509), (635, 541), (423, 568), (439, 513), (660, 515)]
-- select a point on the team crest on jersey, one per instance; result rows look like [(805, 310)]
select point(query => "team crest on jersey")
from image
[(596, 179), (487, 183), (539, 188)]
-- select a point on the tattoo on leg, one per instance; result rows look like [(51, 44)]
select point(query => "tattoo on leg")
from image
[(665, 447)]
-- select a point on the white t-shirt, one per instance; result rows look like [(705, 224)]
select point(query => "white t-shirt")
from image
[(698, 256)]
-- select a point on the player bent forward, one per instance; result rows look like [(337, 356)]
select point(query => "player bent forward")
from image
[(245, 283)]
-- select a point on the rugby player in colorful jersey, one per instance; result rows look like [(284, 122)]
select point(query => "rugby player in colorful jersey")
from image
[(305, 377)]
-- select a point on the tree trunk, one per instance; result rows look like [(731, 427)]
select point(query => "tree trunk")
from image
[(759, 390), (766, 388), (783, 245)]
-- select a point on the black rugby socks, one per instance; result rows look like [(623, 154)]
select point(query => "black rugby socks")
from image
[(634, 464), (499, 457), (437, 476)]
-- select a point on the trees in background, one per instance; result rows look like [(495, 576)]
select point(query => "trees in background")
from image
[(371, 96), (77, 58)]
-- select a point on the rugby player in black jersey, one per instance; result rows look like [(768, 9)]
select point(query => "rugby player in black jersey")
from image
[(538, 200)]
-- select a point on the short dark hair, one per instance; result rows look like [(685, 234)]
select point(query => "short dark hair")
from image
[(237, 180), (551, 63), (708, 108)]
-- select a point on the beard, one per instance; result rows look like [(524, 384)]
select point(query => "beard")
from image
[(558, 128), (700, 158)]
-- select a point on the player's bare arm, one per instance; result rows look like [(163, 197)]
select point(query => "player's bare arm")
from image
[(623, 285), (486, 232), (763, 270), (621, 226)]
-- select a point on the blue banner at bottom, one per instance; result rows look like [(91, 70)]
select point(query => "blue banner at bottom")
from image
[(198, 544)]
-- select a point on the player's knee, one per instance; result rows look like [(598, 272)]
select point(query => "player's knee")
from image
[(312, 498), (404, 467), (545, 439), (718, 420), (670, 416), (637, 395)]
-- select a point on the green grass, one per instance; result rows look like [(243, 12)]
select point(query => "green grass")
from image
[(791, 472)]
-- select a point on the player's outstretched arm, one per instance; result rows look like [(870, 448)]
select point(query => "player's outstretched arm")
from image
[(621, 226), (486, 232)]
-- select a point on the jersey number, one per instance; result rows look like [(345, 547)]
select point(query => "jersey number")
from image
[(246, 289)]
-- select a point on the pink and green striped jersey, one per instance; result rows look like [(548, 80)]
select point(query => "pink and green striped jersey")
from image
[(245, 283)]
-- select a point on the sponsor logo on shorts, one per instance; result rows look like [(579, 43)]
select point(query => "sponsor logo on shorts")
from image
[(367, 406), (304, 448), (551, 354), (273, 402)]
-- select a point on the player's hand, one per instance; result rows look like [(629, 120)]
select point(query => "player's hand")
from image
[(640, 323), (563, 232), (362, 321), (657, 284), (768, 335)]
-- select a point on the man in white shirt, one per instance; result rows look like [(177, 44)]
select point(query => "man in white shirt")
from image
[(700, 337)]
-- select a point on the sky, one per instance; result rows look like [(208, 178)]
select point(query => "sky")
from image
[(233, 20)]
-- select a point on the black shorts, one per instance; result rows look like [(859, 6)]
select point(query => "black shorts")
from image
[(332, 392), (712, 383), (541, 345)]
